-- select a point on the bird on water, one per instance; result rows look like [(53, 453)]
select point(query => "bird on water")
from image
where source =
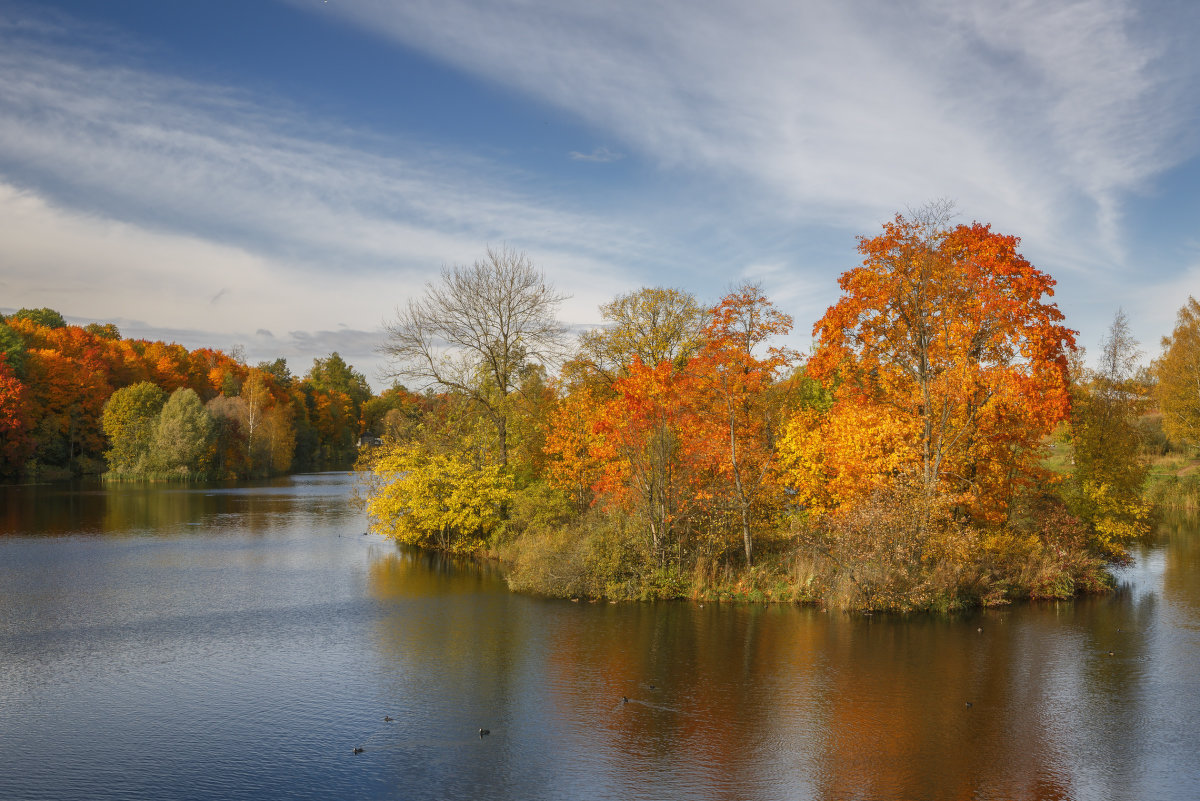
[(358, 750), (482, 732)]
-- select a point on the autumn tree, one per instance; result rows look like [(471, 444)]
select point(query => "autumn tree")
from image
[(397, 399), (1108, 473), (646, 446), (65, 399), (279, 370), (571, 444), (107, 331), (475, 332), (1177, 372), (333, 374), (737, 372), (130, 419), (47, 318), (439, 500), (653, 324), (950, 328), (15, 443), (231, 453)]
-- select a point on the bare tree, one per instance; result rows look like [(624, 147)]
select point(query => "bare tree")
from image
[(477, 330)]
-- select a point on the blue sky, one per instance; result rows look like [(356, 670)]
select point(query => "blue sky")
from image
[(282, 175)]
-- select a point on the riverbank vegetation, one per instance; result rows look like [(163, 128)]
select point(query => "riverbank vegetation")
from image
[(942, 446), (77, 400)]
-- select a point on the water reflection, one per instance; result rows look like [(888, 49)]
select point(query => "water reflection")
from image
[(767, 702), (91, 508), (249, 636)]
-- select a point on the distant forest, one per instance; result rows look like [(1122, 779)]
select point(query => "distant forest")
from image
[(77, 400)]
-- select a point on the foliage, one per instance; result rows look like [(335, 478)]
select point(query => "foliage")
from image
[(12, 349), (103, 331), (375, 410), (66, 374), (130, 420), (740, 409), (1108, 475), (595, 555), (572, 445), (47, 318), (643, 448), (14, 422), (948, 328), (844, 456), (653, 325), (65, 400), (278, 369), (332, 374), (184, 436), (439, 500), (1177, 372), (477, 331)]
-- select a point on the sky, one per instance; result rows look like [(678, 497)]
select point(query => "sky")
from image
[(282, 175)]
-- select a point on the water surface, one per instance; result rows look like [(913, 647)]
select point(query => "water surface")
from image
[(238, 642)]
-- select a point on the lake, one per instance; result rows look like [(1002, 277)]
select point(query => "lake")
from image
[(237, 642)]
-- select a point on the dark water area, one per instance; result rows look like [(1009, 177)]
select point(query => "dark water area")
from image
[(162, 642)]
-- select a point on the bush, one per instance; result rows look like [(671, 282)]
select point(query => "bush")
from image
[(595, 556), (901, 551)]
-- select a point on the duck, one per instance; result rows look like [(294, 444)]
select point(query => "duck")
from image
[(387, 719), (624, 700), (358, 749), (483, 732)]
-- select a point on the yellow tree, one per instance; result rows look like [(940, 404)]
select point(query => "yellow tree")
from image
[(1178, 374), (439, 500), (1109, 473), (653, 324)]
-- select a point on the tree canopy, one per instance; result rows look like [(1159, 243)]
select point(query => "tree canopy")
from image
[(1177, 372), (477, 331)]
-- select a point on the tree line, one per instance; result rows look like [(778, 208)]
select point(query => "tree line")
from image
[(943, 445), (80, 400)]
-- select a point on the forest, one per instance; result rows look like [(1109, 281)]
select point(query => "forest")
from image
[(79, 400), (944, 445)]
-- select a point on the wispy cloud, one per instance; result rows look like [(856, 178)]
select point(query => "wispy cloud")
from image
[(600, 154), (1039, 117), (132, 195)]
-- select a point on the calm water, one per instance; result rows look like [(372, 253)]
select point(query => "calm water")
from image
[(218, 643)]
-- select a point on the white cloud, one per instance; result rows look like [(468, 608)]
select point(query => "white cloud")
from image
[(600, 155), (1036, 116), (225, 213), (162, 285)]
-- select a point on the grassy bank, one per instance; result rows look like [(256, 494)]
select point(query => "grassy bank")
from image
[(896, 554), (1173, 483)]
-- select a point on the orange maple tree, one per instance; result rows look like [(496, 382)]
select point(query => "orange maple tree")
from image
[(949, 327), (735, 373), (645, 447), (15, 442)]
